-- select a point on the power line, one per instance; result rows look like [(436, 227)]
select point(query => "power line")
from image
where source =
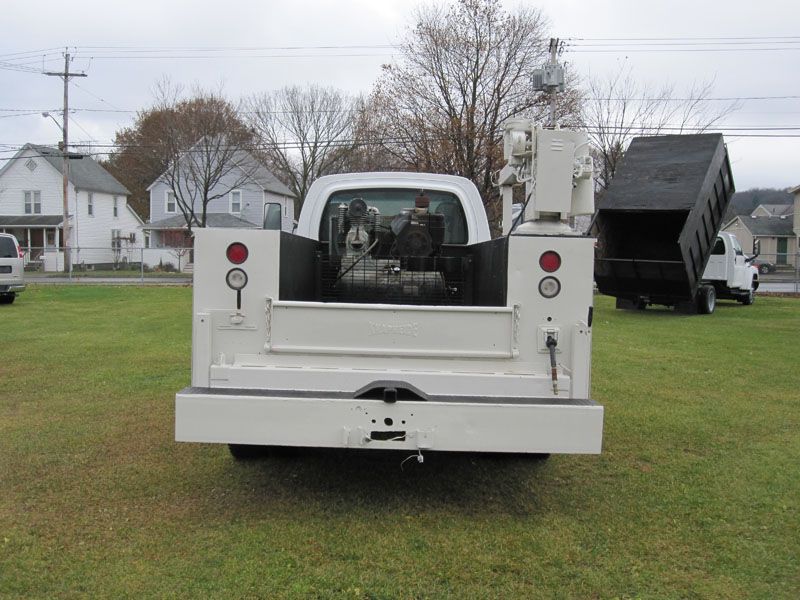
[(645, 50), (83, 89), (47, 50), (224, 56), (104, 148), (637, 39)]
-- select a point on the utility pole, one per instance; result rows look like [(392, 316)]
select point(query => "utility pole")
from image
[(553, 89), (65, 228), (550, 79)]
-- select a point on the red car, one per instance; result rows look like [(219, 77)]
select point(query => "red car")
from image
[(763, 266)]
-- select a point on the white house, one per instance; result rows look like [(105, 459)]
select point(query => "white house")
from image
[(251, 197), (103, 228)]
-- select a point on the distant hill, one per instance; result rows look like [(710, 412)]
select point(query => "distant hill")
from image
[(743, 203)]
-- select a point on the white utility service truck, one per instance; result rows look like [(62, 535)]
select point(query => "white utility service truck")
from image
[(391, 320)]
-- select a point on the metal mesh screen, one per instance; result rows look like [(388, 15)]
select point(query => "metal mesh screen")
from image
[(441, 280)]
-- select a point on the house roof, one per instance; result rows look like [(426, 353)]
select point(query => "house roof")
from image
[(84, 173), (134, 213), (259, 173), (768, 226), (31, 220), (223, 220), (777, 210), (263, 176)]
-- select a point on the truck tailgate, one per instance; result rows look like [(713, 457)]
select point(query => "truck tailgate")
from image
[(384, 329)]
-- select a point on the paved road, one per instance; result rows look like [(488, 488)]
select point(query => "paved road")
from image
[(778, 287)]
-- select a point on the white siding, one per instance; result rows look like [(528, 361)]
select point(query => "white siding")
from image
[(253, 200), (93, 232), (91, 235), (18, 178)]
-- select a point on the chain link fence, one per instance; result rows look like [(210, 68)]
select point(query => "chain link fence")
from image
[(779, 272), (109, 263)]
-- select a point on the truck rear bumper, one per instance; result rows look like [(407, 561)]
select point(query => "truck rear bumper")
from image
[(337, 420)]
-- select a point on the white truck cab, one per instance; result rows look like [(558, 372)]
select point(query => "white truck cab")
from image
[(730, 271), (451, 188), (391, 320)]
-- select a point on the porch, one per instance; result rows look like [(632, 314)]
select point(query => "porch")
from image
[(41, 238)]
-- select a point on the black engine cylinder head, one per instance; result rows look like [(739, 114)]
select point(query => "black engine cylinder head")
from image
[(357, 209)]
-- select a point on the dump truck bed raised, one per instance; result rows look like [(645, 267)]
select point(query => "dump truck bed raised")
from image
[(657, 222)]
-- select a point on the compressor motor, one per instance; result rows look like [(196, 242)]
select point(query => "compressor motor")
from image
[(389, 258)]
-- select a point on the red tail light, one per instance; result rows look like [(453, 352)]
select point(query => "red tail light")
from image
[(237, 253), (550, 261), (20, 252)]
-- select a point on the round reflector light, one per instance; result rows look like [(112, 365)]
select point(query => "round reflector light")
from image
[(236, 279), (237, 253), (550, 261), (549, 287)]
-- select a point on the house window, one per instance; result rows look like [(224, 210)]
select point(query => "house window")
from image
[(171, 204), (116, 243), (116, 207), (146, 239), (31, 164), (33, 203), (90, 204), (236, 202)]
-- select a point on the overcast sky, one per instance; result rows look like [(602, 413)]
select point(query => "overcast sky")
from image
[(104, 35)]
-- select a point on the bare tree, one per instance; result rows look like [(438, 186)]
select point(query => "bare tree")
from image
[(204, 147), (464, 69), (620, 108), (304, 132)]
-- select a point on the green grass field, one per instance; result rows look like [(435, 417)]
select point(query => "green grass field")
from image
[(696, 494)]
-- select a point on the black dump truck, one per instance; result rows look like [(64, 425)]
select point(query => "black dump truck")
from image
[(657, 227)]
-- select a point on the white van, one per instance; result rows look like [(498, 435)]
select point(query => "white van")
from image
[(12, 273)]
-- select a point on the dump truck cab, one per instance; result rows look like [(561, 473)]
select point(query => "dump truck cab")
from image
[(730, 271)]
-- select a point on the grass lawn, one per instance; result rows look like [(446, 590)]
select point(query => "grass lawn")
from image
[(696, 494)]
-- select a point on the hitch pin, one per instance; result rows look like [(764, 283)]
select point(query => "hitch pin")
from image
[(551, 346)]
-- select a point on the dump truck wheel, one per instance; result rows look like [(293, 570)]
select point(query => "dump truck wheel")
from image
[(706, 300), (748, 298)]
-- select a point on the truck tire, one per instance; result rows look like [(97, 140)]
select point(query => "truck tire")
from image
[(243, 452), (246, 452), (706, 300), (7, 298), (631, 304), (748, 298)]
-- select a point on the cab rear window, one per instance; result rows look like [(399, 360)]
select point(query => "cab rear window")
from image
[(391, 201)]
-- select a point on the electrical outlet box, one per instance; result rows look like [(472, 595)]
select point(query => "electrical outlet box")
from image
[(545, 332)]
